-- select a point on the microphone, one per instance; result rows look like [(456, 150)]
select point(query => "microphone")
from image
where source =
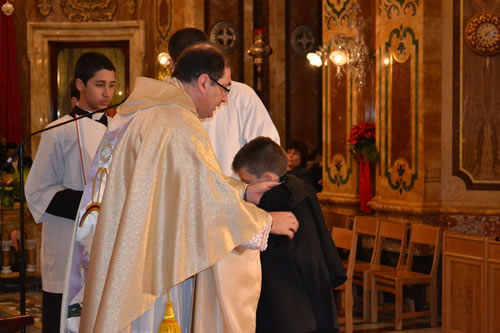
[(20, 150), (89, 114)]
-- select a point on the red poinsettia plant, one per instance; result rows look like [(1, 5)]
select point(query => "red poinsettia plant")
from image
[(362, 142)]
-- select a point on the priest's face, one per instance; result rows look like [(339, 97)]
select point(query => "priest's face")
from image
[(216, 93), (98, 91)]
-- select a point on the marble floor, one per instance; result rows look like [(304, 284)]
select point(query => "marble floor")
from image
[(9, 305)]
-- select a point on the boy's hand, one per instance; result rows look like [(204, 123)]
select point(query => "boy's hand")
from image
[(255, 191), (284, 223)]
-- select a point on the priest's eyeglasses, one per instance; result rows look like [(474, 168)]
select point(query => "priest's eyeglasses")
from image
[(226, 90)]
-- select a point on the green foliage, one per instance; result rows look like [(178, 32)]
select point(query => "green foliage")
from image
[(10, 189)]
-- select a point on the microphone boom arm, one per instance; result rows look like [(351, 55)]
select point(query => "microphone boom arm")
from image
[(15, 153)]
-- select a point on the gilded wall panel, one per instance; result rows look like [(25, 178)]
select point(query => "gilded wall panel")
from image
[(476, 120), (163, 21), (340, 112), (400, 94), (337, 123), (400, 120), (303, 82), (401, 115)]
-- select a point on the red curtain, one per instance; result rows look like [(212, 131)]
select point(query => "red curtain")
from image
[(10, 101), (365, 185)]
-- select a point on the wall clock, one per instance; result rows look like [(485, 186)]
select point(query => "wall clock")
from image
[(482, 33)]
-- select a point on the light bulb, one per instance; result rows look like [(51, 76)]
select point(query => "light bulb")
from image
[(315, 59), (339, 58), (163, 58)]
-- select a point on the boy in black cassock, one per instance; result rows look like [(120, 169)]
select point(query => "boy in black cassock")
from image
[(298, 275)]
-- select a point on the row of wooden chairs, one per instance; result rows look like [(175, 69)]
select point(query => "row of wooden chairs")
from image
[(375, 277)]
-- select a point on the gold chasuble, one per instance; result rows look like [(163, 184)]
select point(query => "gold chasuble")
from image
[(167, 213)]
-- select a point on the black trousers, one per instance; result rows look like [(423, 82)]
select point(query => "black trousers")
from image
[(51, 312)]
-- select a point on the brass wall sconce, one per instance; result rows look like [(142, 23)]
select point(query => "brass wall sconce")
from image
[(164, 67), (7, 8), (259, 50), (349, 54)]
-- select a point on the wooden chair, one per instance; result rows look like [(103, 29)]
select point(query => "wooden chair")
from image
[(337, 220), (388, 231), (15, 323), (393, 282), (365, 226), (348, 240)]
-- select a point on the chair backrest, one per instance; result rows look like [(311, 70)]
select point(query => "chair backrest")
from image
[(346, 239), (424, 235), (367, 226), (15, 323), (393, 230), (337, 220)]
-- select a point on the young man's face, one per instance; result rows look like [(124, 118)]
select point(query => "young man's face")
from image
[(98, 92), (215, 94)]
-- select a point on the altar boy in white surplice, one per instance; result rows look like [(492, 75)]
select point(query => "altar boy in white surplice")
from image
[(59, 173)]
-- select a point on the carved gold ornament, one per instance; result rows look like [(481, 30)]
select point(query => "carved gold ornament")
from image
[(89, 10), (7, 8), (44, 7), (130, 4), (482, 33)]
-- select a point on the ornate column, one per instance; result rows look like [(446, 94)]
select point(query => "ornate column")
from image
[(344, 105), (408, 111)]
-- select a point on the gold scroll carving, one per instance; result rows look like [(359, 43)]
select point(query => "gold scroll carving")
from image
[(89, 10)]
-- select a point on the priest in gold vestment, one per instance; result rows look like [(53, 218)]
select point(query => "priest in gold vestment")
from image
[(167, 212)]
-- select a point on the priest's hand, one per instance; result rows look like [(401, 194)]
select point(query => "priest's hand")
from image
[(255, 191), (284, 223)]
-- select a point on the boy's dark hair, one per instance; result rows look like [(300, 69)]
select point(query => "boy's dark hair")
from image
[(182, 39), (11, 145), (302, 149), (73, 91), (198, 59), (91, 62), (261, 155)]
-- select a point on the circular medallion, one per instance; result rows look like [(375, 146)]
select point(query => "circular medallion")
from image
[(303, 40), (105, 153), (226, 35), (482, 33)]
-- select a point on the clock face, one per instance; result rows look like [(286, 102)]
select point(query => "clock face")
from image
[(487, 32), (482, 33)]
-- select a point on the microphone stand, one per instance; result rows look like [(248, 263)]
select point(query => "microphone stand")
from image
[(20, 153)]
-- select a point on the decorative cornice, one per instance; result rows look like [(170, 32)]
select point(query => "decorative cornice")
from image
[(432, 208), (347, 16), (396, 7), (338, 198), (84, 11)]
